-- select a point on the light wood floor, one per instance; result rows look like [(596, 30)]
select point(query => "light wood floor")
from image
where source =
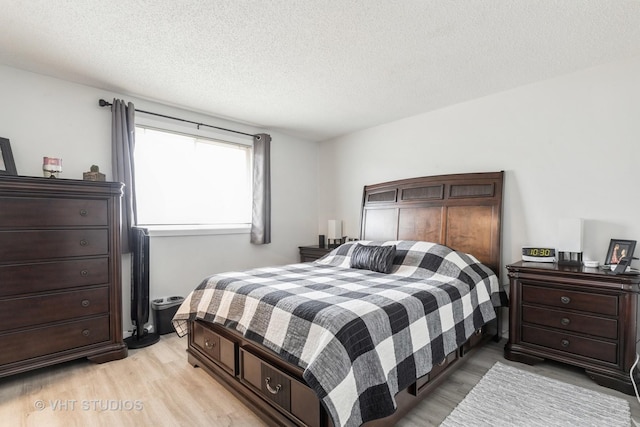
[(155, 386)]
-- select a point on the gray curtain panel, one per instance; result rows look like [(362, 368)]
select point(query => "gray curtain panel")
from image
[(123, 144), (261, 212)]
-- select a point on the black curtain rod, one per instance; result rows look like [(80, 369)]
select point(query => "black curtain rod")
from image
[(104, 103)]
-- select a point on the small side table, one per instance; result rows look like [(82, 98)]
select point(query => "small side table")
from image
[(577, 315), (312, 253)]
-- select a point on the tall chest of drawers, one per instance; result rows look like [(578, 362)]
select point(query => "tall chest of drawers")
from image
[(60, 273), (582, 316)]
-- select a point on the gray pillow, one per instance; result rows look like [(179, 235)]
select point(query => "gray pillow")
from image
[(374, 258)]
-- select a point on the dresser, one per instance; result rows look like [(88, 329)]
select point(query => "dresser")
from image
[(60, 273), (581, 316)]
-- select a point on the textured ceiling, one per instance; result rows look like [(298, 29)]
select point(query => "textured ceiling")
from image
[(314, 68)]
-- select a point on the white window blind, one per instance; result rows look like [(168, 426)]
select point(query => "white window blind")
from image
[(191, 180)]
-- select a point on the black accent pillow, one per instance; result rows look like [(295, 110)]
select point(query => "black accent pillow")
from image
[(374, 258)]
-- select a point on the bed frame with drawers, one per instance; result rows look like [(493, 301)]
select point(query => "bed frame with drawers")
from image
[(462, 211)]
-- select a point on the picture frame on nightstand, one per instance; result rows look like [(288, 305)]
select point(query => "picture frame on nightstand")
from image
[(619, 249)]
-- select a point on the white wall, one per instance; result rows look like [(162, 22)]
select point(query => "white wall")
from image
[(569, 146), (43, 116)]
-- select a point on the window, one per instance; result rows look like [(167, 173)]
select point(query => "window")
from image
[(191, 180)]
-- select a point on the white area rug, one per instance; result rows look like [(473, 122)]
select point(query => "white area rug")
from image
[(508, 396)]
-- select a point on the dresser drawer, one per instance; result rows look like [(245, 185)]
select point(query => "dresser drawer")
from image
[(36, 342), (566, 342), (276, 386), (216, 347), (41, 309), (52, 212), (50, 276), (570, 321), (574, 300), (46, 244)]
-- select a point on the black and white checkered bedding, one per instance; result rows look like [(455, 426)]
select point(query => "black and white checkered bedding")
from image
[(360, 336)]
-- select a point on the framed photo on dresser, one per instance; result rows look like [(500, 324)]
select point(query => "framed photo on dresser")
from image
[(619, 249), (7, 165)]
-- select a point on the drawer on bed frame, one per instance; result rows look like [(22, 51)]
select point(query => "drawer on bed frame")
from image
[(216, 347), (473, 341), (276, 386), (438, 368), (419, 386)]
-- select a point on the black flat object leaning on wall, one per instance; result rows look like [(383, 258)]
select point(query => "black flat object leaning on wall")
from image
[(141, 337)]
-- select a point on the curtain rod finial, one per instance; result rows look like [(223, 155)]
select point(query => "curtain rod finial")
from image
[(103, 103)]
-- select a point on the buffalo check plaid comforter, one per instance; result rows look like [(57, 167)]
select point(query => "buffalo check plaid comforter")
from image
[(359, 335)]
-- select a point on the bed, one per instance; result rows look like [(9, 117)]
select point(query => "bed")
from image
[(360, 336)]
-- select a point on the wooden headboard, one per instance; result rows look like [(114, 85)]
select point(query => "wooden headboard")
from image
[(462, 211)]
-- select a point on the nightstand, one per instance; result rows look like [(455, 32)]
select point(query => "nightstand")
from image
[(581, 316), (312, 253)]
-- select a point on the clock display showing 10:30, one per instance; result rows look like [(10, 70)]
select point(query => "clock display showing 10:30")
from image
[(539, 254), (542, 252)]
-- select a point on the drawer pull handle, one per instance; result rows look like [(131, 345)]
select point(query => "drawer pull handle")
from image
[(83, 242), (443, 362), (85, 303), (565, 300), (209, 344), (86, 332), (84, 273), (565, 343), (565, 321), (83, 212), (271, 389)]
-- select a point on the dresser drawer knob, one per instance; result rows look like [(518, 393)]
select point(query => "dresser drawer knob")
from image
[(84, 273), (85, 303), (564, 321), (85, 333), (209, 344), (83, 242), (271, 389), (565, 300), (83, 212), (565, 343)]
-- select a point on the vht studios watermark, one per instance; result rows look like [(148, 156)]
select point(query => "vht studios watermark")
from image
[(89, 405)]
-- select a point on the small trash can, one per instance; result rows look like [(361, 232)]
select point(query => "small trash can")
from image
[(163, 311)]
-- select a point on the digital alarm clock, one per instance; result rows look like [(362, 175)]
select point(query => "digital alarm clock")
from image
[(538, 254)]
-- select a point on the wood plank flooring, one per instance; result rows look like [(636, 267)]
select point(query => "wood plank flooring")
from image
[(155, 386)]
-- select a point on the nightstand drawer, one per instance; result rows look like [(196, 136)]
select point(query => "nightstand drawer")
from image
[(583, 301), (312, 253), (595, 349), (569, 321)]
